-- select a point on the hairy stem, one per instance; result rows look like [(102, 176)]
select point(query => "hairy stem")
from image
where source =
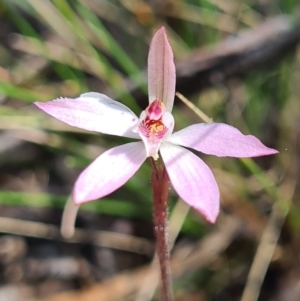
[(160, 186)]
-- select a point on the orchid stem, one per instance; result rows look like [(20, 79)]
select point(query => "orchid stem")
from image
[(160, 186)]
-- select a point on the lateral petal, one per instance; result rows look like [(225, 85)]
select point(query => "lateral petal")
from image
[(192, 179), (108, 172), (221, 140), (161, 70), (93, 112)]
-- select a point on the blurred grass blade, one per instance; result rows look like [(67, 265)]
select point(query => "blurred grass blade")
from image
[(105, 206)]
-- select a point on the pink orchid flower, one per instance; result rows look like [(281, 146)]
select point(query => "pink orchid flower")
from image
[(191, 178)]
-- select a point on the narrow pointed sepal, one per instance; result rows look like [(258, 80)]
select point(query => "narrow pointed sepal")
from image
[(221, 140), (93, 112), (192, 179), (161, 70), (108, 172)]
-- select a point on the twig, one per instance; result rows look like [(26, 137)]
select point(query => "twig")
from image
[(195, 109), (264, 254), (99, 238)]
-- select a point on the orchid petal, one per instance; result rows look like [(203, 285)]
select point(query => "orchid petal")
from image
[(192, 180), (221, 140), (93, 112), (161, 70), (108, 172)]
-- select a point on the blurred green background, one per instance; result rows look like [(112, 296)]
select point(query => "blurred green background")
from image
[(237, 61)]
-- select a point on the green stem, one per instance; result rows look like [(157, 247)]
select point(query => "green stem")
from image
[(160, 186)]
